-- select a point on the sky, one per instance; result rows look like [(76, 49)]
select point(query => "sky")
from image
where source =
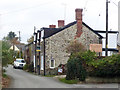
[(23, 15)]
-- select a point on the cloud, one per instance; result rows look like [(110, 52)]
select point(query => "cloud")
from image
[(23, 15)]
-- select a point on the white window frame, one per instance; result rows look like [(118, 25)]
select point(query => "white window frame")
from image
[(53, 64)]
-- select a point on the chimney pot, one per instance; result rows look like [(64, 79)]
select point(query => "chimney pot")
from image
[(78, 14), (52, 26), (60, 23)]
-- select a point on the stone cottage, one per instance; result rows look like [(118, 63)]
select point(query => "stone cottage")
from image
[(55, 40)]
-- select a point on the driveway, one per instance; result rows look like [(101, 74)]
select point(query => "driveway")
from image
[(22, 79)]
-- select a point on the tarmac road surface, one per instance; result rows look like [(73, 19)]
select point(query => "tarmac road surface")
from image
[(22, 79)]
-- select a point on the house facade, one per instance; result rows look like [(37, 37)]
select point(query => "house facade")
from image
[(55, 40)]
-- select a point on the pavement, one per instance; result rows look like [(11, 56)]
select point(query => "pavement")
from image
[(22, 79)]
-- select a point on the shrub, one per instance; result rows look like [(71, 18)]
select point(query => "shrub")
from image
[(89, 56), (106, 67), (26, 67), (75, 69), (29, 67)]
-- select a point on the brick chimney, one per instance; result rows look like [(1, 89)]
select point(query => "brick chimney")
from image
[(79, 21), (52, 26), (60, 23)]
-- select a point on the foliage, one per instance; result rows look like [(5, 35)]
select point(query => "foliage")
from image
[(75, 69), (31, 39), (19, 54), (29, 67), (68, 81), (11, 38), (26, 67), (7, 55), (106, 67), (50, 75), (88, 56), (4, 75), (11, 35), (75, 47)]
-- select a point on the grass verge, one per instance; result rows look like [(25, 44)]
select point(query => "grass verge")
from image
[(5, 81), (68, 81), (4, 75), (50, 75)]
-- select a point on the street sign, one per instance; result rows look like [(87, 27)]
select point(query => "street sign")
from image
[(96, 47), (38, 49)]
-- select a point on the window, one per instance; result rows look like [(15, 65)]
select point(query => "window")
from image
[(52, 63), (42, 63)]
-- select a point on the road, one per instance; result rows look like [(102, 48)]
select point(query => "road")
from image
[(22, 79)]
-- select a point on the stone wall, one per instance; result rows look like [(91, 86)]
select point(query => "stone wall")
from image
[(56, 44)]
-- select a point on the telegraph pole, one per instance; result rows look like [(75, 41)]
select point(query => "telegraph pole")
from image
[(106, 48), (40, 50), (20, 47), (19, 37)]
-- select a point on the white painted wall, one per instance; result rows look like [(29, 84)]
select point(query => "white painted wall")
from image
[(119, 22), (112, 42), (42, 35), (42, 63), (109, 53)]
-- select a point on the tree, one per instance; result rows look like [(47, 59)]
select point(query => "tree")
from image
[(31, 39), (11, 35), (6, 53), (19, 54), (75, 47)]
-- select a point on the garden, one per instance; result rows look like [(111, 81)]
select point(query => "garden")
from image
[(86, 66)]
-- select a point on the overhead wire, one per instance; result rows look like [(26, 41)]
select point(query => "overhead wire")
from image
[(99, 14), (114, 2), (85, 9), (19, 10)]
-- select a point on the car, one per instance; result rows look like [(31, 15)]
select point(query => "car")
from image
[(19, 63)]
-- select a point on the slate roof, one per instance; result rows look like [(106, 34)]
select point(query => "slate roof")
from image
[(51, 31)]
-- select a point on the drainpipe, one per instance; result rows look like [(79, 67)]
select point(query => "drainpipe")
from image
[(44, 54)]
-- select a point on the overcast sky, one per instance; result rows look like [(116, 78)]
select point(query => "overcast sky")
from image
[(23, 15)]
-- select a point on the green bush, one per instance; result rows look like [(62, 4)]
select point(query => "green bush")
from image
[(26, 67), (75, 69), (7, 55), (29, 67), (106, 67), (88, 56)]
